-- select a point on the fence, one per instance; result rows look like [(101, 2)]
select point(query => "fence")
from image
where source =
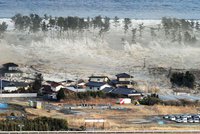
[(18, 95), (104, 132)]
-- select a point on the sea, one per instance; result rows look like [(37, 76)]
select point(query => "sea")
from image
[(135, 9)]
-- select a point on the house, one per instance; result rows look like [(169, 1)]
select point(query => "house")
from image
[(108, 89), (75, 89), (128, 92), (9, 86), (97, 83), (123, 80), (67, 82), (95, 86), (103, 79), (11, 70), (11, 66), (56, 86)]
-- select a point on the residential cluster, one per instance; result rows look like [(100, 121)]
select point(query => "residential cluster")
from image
[(14, 79)]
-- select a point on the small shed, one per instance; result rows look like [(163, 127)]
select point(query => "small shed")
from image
[(123, 101)]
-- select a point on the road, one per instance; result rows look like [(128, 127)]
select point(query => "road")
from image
[(106, 132)]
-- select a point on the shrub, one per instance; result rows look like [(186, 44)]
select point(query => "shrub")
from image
[(149, 100)]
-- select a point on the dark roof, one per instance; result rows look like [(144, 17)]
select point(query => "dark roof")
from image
[(95, 84), (68, 81), (120, 82), (98, 77), (10, 64), (107, 89), (125, 91), (12, 71), (124, 75), (13, 84), (55, 84)]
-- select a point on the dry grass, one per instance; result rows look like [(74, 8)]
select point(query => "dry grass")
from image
[(121, 120)]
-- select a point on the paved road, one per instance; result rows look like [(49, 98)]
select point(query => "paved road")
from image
[(107, 132)]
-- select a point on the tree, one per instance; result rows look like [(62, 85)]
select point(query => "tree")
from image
[(188, 80), (116, 21), (60, 23), (37, 84), (153, 34), (150, 100), (35, 22), (179, 38), (3, 27), (183, 80), (197, 25), (44, 27), (134, 35), (97, 22), (19, 24), (61, 94), (141, 27), (52, 22), (127, 23), (187, 36)]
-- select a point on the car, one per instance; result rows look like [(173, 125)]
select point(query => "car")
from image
[(185, 120), (189, 116), (198, 115), (178, 116), (183, 116), (166, 117), (190, 120), (196, 120), (179, 120), (172, 118)]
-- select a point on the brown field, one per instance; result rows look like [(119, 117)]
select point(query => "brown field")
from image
[(121, 119)]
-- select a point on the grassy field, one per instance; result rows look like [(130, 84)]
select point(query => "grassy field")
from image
[(131, 118)]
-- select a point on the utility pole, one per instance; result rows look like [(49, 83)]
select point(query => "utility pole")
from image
[(130, 77), (144, 63), (1, 85), (76, 82)]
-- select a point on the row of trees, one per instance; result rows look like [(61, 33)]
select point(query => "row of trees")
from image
[(180, 29), (34, 23), (183, 79), (37, 124), (63, 94), (155, 100)]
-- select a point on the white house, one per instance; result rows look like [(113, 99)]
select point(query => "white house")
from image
[(56, 88)]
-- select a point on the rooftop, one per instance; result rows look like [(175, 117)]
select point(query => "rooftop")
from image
[(125, 91), (98, 76), (124, 75), (10, 64), (95, 84)]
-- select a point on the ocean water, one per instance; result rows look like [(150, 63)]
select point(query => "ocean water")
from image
[(138, 9)]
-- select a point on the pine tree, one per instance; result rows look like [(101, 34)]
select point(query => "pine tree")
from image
[(61, 94), (3, 27)]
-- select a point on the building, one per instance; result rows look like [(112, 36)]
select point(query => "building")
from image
[(75, 89), (103, 79), (123, 80), (54, 86), (9, 86), (96, 83), (124, 91), (11, 70)]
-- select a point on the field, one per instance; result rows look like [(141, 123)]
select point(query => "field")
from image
[(121, 117)]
